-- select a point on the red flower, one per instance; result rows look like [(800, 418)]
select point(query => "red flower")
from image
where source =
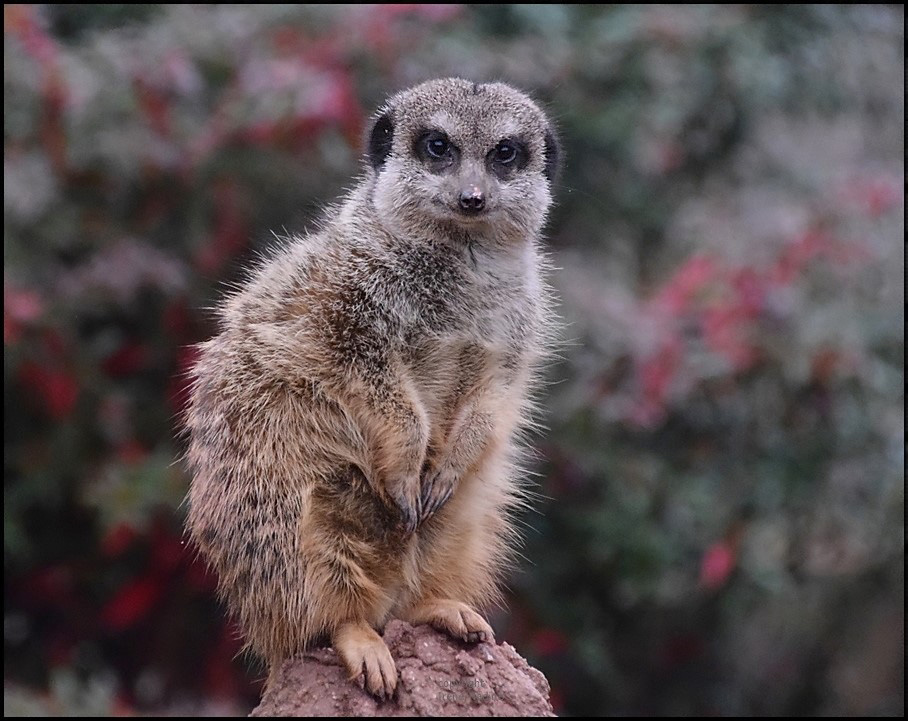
[(128, 359), (132, 603), (199, 576), (60, 393), (177, 321), (132, 452), (58, 390), (548, 642), (167, 550), (49, 586), (556, 698), (221, 676), (118, 539), (154, 105)]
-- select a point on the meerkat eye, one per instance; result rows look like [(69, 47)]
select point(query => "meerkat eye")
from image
[(437, 146), (505, 152), (506, 158), (436, 150)]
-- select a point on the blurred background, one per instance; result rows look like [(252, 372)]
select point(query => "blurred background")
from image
[(720, 528)]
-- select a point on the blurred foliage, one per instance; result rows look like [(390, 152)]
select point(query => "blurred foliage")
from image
[(720, 528)]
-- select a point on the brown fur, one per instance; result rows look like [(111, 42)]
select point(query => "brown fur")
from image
[(353, 427)]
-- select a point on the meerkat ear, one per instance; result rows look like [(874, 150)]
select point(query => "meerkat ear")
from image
[(380, 138), (552, 155)]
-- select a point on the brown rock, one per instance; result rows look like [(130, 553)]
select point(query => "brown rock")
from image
[(438, 676)]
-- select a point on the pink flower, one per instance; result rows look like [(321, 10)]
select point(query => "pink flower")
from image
[(724, 331), (794, 259), (750, 288), (873, 196), (676, 295), (21, 304), (655, 375), (21, 307), (716, 565)]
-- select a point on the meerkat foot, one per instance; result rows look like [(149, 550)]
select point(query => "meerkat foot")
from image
[(454, 618), (363, 652), (436, 491)]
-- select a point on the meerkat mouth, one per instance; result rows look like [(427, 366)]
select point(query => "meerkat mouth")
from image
[(460, 217)]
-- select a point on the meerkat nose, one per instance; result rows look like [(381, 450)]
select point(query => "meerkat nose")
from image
[(472, 199)]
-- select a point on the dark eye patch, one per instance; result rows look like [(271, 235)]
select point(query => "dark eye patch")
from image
[(381, 139)]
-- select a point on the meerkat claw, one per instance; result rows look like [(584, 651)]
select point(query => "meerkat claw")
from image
[(410, 511), (436, 492)]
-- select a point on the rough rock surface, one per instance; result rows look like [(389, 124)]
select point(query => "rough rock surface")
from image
[(438, 676)]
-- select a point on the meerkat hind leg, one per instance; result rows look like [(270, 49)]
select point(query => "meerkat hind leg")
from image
[(364, 652), (452, 617)]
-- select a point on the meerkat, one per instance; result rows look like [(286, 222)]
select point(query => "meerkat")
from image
[(354, 428)]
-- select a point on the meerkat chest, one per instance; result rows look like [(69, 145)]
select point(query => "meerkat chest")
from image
[(485, 351), (465, 326), (481, 323)]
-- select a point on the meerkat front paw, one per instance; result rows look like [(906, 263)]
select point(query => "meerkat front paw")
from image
[(455, 618), (364, 653), (437, 489)]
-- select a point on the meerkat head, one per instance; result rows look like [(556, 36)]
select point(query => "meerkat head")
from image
[(469, 160)]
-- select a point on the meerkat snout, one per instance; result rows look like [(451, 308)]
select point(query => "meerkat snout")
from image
[(469, 191), (472, 199)]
